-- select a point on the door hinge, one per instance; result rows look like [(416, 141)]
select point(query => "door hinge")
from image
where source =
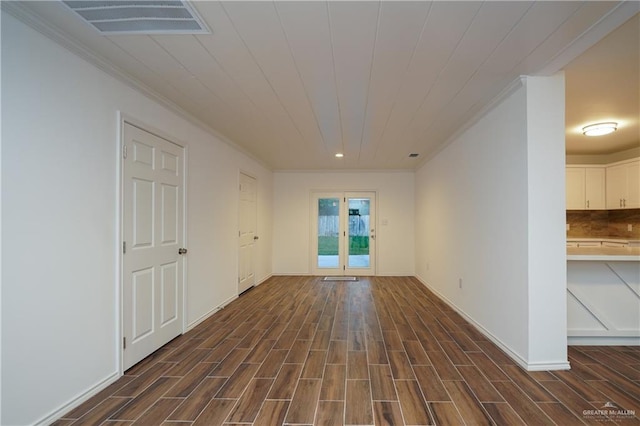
[(344, 233), (124, 151), (124, 343), (124, 247), (344, 268)]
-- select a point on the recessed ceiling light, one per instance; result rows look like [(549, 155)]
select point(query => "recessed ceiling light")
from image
[(339, 155), (600, 129)]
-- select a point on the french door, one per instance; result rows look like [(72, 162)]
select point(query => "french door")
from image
[(343, 233)]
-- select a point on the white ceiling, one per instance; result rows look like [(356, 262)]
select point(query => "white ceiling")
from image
[(293, 83)]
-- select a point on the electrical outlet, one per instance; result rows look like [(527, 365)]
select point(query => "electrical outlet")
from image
[(629, 227), (460, 282)]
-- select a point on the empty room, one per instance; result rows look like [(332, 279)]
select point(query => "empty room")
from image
[(320, 212)]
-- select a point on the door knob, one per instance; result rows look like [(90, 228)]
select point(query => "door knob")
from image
[(182, 251), (255, 237)]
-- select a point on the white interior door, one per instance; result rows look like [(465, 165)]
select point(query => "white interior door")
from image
[(247, 232), (153, 226), (343, 233)]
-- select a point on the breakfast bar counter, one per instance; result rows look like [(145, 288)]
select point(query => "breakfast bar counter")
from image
[(603, 295)]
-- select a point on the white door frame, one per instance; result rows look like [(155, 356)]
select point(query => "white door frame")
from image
[(342, 248), (119, 320)]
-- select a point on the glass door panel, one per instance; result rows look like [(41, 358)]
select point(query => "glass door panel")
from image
[(328, 233), (358, 248)]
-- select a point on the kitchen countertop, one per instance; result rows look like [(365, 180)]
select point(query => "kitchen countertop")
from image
[(604, 253)]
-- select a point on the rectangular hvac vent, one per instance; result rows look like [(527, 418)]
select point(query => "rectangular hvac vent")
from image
[(140, 17)]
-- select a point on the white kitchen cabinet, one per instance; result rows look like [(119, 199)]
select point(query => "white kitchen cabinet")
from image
[(585, 188), (623, 185)]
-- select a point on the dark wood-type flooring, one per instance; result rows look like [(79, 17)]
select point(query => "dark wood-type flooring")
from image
[(383, 350)]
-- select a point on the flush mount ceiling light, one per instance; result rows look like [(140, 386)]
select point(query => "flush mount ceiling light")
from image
[(140, 16), (339, 155), (600, 129)]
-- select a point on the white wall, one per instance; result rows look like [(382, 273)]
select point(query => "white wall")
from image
[(292, 216), (471, 223), (60, 161), (490, 211)]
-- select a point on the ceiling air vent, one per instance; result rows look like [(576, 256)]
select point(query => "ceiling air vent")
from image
[(140, 17), (413, 155)]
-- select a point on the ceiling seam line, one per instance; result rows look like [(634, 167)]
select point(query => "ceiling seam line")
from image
[(395, 98), (335, 77), (466, 83), (264, 75), (260, 111), (295, 63), (373, 61)]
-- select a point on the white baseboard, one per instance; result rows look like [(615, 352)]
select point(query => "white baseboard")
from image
[(603, 341), (207, 314), (521, 361), (77, 400)]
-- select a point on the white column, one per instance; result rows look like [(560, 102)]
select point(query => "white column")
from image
[(546, 223)]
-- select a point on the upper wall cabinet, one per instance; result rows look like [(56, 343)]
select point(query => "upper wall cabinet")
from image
[(623, 185), (585, 188)]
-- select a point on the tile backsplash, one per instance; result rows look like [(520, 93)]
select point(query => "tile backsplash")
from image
[(603, 223)]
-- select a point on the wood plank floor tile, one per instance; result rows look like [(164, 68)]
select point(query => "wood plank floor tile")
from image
[(98, 398), (430, 384), (215, 413), (521, 403), (192, 406), (446, 413), (305, 400), (376, 352), (415, 352), (234, 386), (333, 382), (330, 413), (455, 353), (158, 412), (387, 413), (299, 351), (530, 386), (560, 414), (617, 396), (250, 402), (564, 394), (487, 367), (102, 411), (145, 399), (358, 408), (480, 386), (314, 365), (400, 366), (139, 384), (470, 409), (272, 364), (222, 350), (189, 382), (414, 407), (382, 385), (259, 351), (272, 413), (357, 366), (286, 381), (337, 353), (503, 414), (230, 363), (443, 366)]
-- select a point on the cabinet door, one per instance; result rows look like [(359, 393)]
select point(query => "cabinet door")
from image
[(574, 177), (616, 186), (594, 188), (633, 185)]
